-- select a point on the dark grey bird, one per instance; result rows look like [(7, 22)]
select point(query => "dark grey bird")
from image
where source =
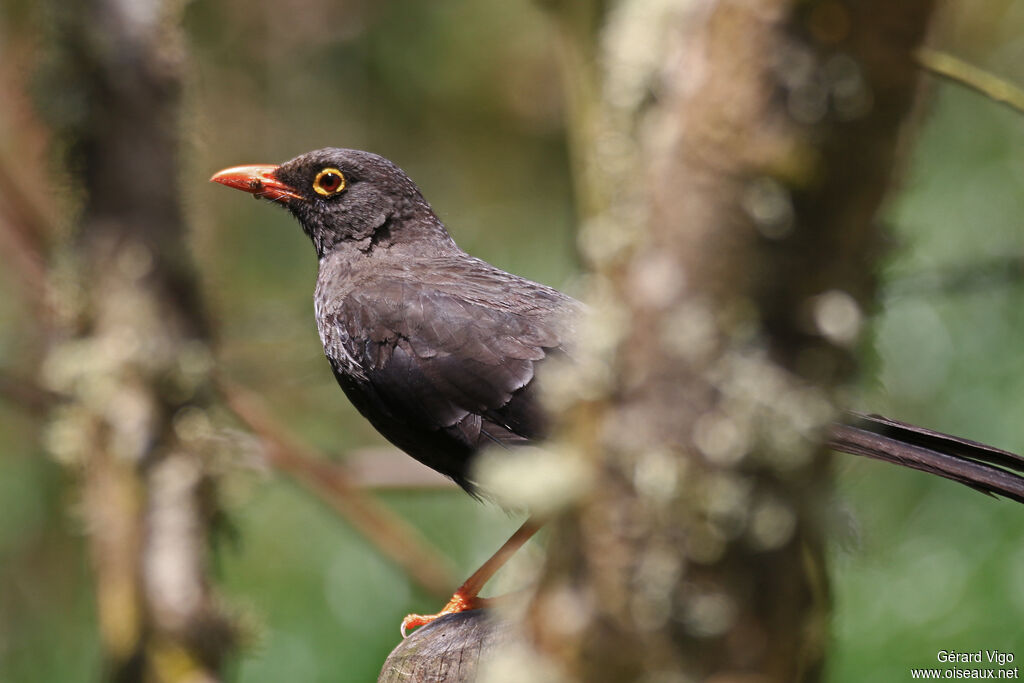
[(439, 350), (436, 348)]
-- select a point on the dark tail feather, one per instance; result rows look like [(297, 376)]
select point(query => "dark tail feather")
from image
[(974, 464)]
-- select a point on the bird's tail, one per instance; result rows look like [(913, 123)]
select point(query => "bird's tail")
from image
[(987, 469)]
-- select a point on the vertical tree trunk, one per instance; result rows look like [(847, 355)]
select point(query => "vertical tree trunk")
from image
[(733, 157), (742, 151), (132, 353)]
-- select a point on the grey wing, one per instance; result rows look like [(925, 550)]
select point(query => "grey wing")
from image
[(438, 361)]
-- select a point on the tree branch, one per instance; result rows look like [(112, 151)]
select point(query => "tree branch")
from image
[(448, 649), (744, 149), (945, 65)]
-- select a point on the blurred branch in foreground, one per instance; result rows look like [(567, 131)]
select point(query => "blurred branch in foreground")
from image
[(749, 147), (335, 486), (131, 353)]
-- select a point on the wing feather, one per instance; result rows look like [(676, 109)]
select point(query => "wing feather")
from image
[(437, 359)]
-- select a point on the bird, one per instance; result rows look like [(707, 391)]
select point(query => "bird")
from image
[(439, 350)]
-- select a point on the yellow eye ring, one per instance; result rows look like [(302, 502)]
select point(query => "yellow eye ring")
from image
[(328, 182)]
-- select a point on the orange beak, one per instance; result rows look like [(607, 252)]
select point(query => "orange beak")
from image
[(259, 181)]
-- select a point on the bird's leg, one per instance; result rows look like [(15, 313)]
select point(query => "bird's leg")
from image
[(467, 595)]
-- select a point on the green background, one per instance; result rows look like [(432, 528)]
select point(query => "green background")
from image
[(465, 95)]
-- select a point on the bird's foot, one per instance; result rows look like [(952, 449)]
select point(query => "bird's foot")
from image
[(460, 602)]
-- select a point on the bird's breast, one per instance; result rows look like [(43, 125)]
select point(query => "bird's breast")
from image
[(333, 328)]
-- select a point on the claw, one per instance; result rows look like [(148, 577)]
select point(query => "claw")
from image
[(465, 597), (460, 602), (415, 621)]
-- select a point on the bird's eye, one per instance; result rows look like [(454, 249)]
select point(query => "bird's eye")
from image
[(329, 181)]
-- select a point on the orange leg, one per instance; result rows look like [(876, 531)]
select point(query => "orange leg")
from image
[(466, 597)]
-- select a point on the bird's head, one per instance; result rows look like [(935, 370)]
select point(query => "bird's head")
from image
[(344, 197)]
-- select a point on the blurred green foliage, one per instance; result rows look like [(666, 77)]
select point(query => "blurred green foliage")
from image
[(928, 565), (465, 96)]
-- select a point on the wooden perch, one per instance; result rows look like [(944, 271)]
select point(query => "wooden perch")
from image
[(446, 651)]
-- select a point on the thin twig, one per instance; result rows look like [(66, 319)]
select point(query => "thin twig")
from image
[(955, 69), (394, 537), (389, 468), (983, 275)]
